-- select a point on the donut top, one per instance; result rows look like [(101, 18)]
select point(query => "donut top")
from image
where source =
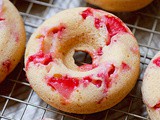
[(12, 37), (114, 25), (53, 44), (151, 83), (157, 63)]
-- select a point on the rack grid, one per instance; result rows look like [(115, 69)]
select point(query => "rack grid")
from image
[(19, 102)]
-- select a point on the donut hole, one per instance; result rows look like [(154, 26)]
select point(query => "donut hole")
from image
[(76, 52), (81, 58)]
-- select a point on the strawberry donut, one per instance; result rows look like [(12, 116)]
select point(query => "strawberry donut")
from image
[(151, 88), (120, 5), (89, 88), (12, 38)]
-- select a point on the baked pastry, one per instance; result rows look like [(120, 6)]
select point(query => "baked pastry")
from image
[(12, 36), (53, 74), (120, 5), (151, 88)]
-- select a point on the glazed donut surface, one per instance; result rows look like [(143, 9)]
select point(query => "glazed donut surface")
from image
[(12, 38), (53, 74)]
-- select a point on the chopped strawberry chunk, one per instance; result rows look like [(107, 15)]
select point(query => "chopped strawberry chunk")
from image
[(86, 13)]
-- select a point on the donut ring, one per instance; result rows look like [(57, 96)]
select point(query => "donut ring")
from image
[(120, 5), (90, 88), (151, 88), (12, 36)]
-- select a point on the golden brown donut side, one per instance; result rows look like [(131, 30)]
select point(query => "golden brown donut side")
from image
[(120, 5)]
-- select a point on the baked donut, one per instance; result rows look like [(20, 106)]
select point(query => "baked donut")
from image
[(12, 38), (53, 74), (151, 88), (120, 5)]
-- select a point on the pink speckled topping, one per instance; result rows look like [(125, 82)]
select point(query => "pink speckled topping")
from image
[(41, 58), (125, 66), (7, 64), (86, 13), (157, 61), (97, 23), (114, 25), (157, 106), (65, 85)]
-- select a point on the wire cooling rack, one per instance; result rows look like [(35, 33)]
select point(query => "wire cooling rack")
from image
[(19, 102)]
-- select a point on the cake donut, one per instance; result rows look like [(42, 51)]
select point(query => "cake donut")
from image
[(53, 74), (120, 5), (151, 88), (12, 38)]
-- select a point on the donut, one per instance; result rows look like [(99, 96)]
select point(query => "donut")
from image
[(89, 88), (12, 36), (151, 88), (120, 5)]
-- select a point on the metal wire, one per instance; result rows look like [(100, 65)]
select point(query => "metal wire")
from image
[(130, 108)]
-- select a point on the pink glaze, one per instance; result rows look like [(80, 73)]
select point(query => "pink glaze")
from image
[(56, 30), (108, 41), (97, 23), (41, 58), (87, 80), (64, 85), (97, 83), (125, 66), (114, 25), (86, 67), (99, 51), (157, 106), (86, 13), (157, 61), (111, 71), (7, 65), (2, 19), (108, 79), (106, 76)]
